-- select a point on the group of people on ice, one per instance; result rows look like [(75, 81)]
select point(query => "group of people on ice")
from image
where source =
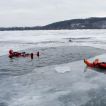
[(22, 54)]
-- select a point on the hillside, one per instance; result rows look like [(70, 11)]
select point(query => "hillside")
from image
[(89, 23)]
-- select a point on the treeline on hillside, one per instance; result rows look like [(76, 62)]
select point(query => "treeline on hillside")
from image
[(89, 23)]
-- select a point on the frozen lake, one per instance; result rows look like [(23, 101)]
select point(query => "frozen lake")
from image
[(58, 77), (18, 40)]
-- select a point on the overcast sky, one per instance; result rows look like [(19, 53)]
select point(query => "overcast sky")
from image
[(42, 12)]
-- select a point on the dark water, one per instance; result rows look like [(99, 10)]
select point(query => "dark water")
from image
[(48, 56)]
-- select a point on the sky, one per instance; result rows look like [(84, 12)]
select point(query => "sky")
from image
[(43, 12)]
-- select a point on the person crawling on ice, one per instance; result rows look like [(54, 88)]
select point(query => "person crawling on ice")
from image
[(97, 63)]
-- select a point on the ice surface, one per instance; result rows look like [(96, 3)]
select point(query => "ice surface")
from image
[(62, 69), (47, 86), (19, 40), (66, 84)]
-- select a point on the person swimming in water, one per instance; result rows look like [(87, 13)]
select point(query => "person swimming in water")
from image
[(22, 54), (17, 54)]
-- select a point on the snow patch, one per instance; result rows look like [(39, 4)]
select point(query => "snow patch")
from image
[(62, 69)]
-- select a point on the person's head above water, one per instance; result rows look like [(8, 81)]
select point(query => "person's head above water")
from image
[(10, 51), (97, 60)]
